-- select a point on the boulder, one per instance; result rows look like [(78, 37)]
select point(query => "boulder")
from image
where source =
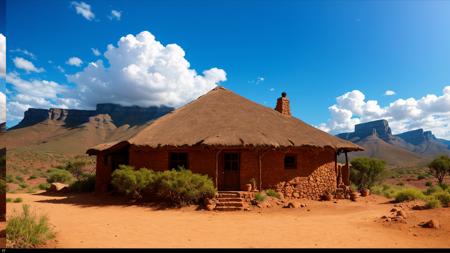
[(430, 224), (292, 204), (210, 207), (401, 213), (58, 187)]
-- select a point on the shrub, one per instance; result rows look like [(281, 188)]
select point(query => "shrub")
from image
[(31, 189), (27, 230), (432, 203), (23, 185), (8, 200), (19, 178), (75, 168), (44, 186), (177, 187), (260, 197), (366, 172), (443, 197), (32, 177), (421, 176), (10, 179), (60, 176), (86, 184), (440, 167), (429, 184), (273, 193), (182, 187), (17, 200), (400, 184), (133, 182), (408, 195)]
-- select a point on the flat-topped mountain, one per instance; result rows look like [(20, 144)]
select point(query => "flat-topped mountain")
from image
[(73, 131), (120, 115), (411, 148)]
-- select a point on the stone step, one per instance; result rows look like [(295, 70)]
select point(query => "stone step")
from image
[(228, 208), (230, 204), (226, 195), (229, 199)]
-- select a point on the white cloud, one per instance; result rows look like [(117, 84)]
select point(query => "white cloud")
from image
[(84, 10), (61, 69), (24, 52), (144, 72), (95, 51), (2, 107), (389, 93), (272, 89), (258, 80), (2, 55), (26, 65), (115, 14), (74, 61), (34, 93), (431, 112)]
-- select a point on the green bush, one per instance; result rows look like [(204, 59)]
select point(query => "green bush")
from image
[(433, 189), (27, 230), (23, 185), (182, 187), (366, 172), (18, 200), (408, 195), (44, 186), (19, 178), (429, 184), (133, 182), (260, 197), (86, 184), (272, 193), (32, 177), (432, 203), (177, 187), (8, 200), (75, 168), (10, 179), (421, 176), (443, 197), (60, 176)]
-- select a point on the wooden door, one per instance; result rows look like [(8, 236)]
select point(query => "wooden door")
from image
[(231, 169)]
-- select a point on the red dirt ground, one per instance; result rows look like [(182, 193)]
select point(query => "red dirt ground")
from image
[(86, 220)]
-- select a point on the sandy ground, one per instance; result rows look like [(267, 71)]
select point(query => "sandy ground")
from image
[(84, 221)]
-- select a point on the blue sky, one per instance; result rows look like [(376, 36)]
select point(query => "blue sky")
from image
[(316, 51)]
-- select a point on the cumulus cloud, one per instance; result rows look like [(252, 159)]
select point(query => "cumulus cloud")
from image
[(34, 93), (2, 55), (389, 93), (115, 14), (142, 71), (84, 10), (26, 65), (74, 61), (431, 112), (2, 107), (95, 51)]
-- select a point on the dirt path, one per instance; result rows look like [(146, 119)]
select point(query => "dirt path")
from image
[(83, 221)]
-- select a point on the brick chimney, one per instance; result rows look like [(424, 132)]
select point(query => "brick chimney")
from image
[(283, 105)]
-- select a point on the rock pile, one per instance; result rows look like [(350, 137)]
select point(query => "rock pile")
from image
[(396, 215), (313, 187)]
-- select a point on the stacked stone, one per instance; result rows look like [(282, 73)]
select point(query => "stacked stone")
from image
[(320, 182)]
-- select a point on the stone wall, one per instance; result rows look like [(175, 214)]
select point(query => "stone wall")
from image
[(314, 186)]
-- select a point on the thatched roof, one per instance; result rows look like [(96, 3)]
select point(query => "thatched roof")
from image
[(223, 118)]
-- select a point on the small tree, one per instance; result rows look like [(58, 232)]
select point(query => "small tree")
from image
[(440, 167), (366, 172), (75, 168)]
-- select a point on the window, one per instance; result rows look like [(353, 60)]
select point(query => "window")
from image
[(290, 162), (177, 159), (231, 161)]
